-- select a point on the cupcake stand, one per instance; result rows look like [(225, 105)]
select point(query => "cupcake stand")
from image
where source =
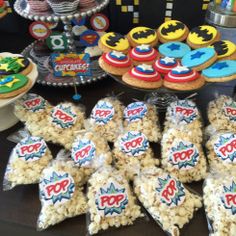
[(7, 117), (46, 74)]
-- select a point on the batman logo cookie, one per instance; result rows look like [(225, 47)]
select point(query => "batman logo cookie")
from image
[(172, 30), (113, 42), (225, 49), (202, 36), (142, 35)]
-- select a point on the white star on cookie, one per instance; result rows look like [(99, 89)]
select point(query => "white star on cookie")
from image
[(168, 60), (117, 54), (143, 47), (180, 69), (145, 67)]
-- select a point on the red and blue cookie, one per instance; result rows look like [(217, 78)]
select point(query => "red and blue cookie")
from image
[(221, 71), (116, 63), (143, 54), (183, 79), (174, 49), (143, 76), (165, 65), (199, 59)]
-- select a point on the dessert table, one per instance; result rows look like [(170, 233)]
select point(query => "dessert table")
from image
[(19, 208)]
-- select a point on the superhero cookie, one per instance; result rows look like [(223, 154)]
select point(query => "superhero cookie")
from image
[(15, 65), (199, 59), (143, 76), (142, 35), (221, 71), (225, 49), (143, 54), (13, 85), (116, 63), (172, 30), (113, 41), (202, 36), (174, 49), (183, 78), (165, 65)]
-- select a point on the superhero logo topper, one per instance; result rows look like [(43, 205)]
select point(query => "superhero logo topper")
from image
[(99, 22)]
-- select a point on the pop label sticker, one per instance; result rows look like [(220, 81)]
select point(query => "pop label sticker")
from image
[(134, 143), (170, 190), (102, 113), (83, 152), (225, 147), (56, 188), (99, 22), (135, 111), (229, 110), (31, 149), (184, 155), (184, 111), (229, 197), (34, 103), (39, 30), (111, 200), (63, 116)]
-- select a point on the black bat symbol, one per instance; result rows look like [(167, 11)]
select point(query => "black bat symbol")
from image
[(206, 36), (220, 47), (143, 34), (172, 28), (114, 39)]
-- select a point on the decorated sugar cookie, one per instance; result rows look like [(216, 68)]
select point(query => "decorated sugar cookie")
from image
[(202, 36), (13, 85), (172, 30), (14, 65), (143, 54), (183, 78), (115, 62), (225, 49), (221, 71), (174, 49), (165, 65), (143, 76), (199, 59), (142, 35), (113, 41)]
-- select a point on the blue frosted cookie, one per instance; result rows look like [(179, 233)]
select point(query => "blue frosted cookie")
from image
[(199, 59), (174, 49), (220, 71)]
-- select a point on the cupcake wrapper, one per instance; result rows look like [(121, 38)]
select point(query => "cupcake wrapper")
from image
[(39, 5), (62, 7)]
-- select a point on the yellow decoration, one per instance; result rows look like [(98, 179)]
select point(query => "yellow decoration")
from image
[(10, 84), (135, 20), (204, 6), (114, 42), (227, 45), (124, 8), (136, 2), (143, 35), (118, 2), (4, 67), (202, 34), (175, 31)]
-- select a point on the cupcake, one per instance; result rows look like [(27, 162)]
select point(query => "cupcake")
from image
[(143, 54), (63, 6), (38, 5)]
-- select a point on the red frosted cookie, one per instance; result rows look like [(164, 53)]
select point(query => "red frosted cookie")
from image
[(183, 78), (165, 65), (143, 76), (116, 63), (143, 54)]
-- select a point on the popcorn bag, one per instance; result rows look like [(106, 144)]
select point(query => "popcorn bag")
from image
[(166, 199), (182, 156), (31, 107), (143, 117), (221, 152), (62, 123), (132, 152), (27, 160), (222, 113), (89, 152), (60, 193), (219, 195), (110, 201), (107, 118), (184, 113)]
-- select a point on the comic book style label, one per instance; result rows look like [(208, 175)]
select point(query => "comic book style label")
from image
[(33, 102), (229, 109), (135, 111)]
